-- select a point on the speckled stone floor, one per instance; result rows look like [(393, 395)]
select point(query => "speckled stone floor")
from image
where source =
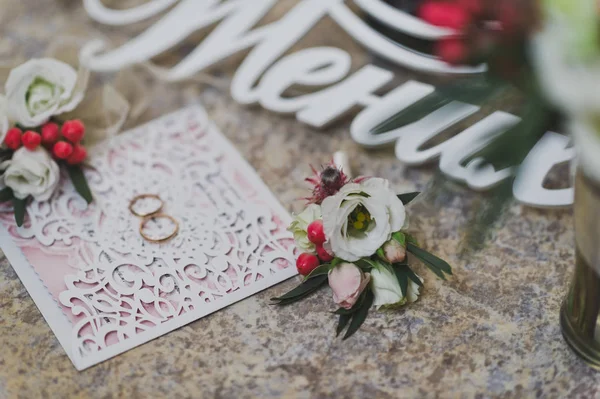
[(490, 331)]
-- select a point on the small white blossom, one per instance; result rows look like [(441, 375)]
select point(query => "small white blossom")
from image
[(300, 224), (387, 290)]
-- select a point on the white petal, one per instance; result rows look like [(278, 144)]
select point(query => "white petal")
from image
[(386, 288), (32, 173), (20, 79), (4, 124), (413, 290)]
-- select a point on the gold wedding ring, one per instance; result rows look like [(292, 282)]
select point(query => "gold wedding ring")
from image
[(141, 197), (154, 218)]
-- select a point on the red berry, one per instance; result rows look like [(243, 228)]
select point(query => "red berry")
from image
[(31, 140), (73, 130), (62, 150), (448, 15), (452, 50), (323, 254), (315, 232), (50, 133), (78, 155), (306, 263), (13, 138)]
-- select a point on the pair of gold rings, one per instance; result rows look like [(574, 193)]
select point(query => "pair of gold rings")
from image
[(153, 215)]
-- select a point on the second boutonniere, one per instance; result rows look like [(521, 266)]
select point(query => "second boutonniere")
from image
[(353, 237), (35, 142)]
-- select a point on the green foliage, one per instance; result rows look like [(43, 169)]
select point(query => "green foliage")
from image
[(358, 317), (319, 271), (407, 198), (473, 91), (6, 194), (303, 290), (438, 266), (19, 209), (80, 183)]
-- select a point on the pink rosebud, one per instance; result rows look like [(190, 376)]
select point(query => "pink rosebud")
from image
[(394, 252), (347, 282)]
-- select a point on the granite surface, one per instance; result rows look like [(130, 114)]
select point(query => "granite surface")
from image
[(492, 330)]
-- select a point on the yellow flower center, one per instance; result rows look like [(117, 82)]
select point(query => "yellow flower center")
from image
[(359, 219)]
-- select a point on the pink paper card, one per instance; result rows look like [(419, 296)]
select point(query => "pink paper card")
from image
[(102, 287)]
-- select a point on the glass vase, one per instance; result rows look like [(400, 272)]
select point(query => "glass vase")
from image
[(579, 316)]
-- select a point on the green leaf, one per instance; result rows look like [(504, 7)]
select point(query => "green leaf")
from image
[(288, 301), (342, 323), (381, 254), (402, 279), (365, 263), (375, 263), (412, 113), (319, 271), (304, 288), (358, 318), (19, 209), (412, 240), (6, 194), (421, 253), (336, 261), (473, 90), (400, 237), (411, 275), (80, 183), (435, 264), (407, 198)]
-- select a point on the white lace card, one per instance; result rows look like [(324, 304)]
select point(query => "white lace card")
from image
[(101, 287)]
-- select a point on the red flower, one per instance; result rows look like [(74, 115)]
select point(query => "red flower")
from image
[(485, 31), (449, 15), (327, 182)]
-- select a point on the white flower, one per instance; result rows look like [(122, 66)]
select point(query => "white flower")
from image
[(4, 124), (567, 59), (361, 217), (300, 224), (31, 173), (570, 84), (41, 88), (387, 290)]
